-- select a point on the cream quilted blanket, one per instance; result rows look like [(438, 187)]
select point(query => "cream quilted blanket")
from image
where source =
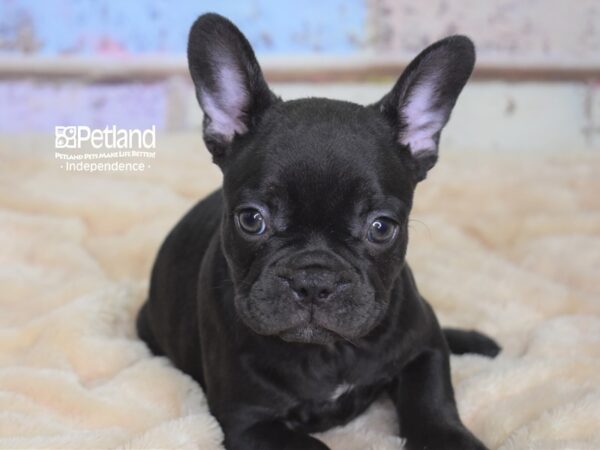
[(507, 244)]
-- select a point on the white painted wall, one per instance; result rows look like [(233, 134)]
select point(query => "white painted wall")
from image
[(551, 33)]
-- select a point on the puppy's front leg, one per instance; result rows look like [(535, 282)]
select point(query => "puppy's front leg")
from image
[(272, 435), (427, 412)]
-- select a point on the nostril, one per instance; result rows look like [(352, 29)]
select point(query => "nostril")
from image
[(302, 292), (323, 294)]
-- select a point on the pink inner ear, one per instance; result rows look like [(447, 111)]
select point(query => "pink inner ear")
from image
[(421, 120), (225, 106)]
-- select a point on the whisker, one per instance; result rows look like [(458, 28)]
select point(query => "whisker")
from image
[(420, 222)]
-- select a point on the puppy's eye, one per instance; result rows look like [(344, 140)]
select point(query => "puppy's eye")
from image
[(251, 221), (382, 230)]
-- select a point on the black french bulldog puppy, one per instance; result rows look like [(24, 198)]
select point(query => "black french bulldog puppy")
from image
[(286, 294)]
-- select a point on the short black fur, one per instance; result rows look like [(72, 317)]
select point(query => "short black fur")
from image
[(300, 326)]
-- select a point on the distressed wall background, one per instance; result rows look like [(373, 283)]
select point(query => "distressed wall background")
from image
[(105, 62), (88, 27)]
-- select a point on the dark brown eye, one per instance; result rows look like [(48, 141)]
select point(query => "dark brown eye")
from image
[(382, 230), (251, 221)]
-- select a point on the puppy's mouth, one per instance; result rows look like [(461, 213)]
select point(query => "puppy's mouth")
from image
[(309, 333)]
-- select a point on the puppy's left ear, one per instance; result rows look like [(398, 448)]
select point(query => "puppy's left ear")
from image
[(419, 105)]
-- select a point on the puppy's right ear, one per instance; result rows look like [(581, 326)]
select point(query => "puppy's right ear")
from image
[(229, 83)]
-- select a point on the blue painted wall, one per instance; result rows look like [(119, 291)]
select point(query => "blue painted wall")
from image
[(129, 28), (88, 27)]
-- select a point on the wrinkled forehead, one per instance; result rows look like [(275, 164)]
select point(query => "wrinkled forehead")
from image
[(324, 188), (322, 156), (320, 185)]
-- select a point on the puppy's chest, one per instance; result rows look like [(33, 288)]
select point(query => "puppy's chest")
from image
[(335, 407), (333, 393)]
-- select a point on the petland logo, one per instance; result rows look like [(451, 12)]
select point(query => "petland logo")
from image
[(122, 150), (111, 138)]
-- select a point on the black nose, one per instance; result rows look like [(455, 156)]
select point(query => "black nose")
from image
[(314, 284)]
